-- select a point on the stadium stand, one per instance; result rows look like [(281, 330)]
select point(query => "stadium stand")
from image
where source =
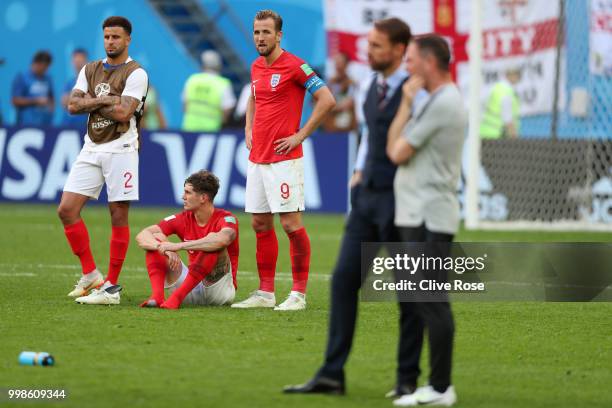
[(60, 26)]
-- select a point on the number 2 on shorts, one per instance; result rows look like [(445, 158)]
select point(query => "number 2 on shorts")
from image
[(128, 177)]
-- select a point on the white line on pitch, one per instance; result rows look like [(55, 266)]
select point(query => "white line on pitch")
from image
[(12, 266)]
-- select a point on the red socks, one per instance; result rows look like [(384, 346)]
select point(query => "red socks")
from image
[(202, 266), (177, 297), (266, 255), (120, 239), (157, 265), (78, 238), (299, 249)]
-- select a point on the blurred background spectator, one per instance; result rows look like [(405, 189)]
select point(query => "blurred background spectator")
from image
[(32, 93), (208, 97), (79, 60), (501, 113), (153, 118), (342, 118)]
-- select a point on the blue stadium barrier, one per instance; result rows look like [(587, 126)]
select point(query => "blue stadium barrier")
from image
[(34, 164)]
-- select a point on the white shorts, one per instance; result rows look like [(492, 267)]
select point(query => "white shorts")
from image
[(275, 187), (220, 293), (92, 169)]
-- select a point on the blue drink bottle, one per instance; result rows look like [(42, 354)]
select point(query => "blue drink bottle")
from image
[(34, 358)]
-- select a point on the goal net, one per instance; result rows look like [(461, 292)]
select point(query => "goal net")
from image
[(540, 88)]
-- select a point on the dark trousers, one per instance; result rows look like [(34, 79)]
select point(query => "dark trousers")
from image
[(435, 316), (370, 220)]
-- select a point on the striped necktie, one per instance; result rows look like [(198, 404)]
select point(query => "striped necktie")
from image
[(382, 88)]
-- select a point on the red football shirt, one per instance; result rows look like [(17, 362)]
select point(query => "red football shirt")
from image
[(185, 226), (278, 91)]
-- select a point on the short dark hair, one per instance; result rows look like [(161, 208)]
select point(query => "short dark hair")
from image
[(42, 56), (80, 50), (437, 46), (204, 182), (265, 14), (118, 21), (397, 30)]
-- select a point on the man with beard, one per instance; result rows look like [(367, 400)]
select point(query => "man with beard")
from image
[(112, 91), (275, 176), (373, 205)]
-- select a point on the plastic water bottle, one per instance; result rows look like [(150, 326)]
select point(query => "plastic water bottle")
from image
[(33, 358)]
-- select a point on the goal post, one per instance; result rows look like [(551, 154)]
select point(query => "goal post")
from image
[(473, 140)]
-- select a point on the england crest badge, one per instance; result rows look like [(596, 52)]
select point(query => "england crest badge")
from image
[(275, 80)]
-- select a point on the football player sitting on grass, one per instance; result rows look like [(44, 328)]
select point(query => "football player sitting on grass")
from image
[(208, 234)]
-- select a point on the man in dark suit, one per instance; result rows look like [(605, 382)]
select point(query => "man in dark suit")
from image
[(373, 205)]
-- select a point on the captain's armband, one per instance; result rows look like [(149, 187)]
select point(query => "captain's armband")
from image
[(313, 84)]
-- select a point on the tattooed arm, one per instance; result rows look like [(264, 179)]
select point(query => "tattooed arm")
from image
[(120, 112), (80, 102), (221, 268)]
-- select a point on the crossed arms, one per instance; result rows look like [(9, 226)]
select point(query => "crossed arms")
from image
[(117, 108), (153, 239)]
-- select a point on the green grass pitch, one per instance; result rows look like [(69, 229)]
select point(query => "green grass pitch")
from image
[(507, 354)]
